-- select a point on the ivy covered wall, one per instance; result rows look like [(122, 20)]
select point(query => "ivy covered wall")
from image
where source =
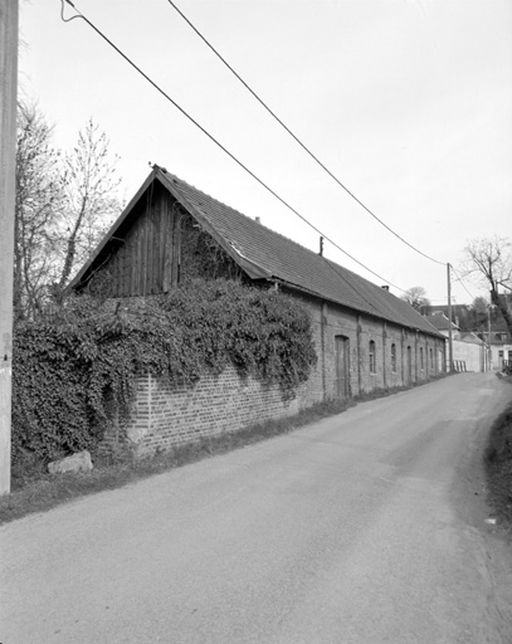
[(76, 372)]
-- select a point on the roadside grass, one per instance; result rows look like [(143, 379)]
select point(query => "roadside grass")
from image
[(35, 490), (498, 465)]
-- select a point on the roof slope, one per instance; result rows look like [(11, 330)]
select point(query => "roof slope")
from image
[(441, 322), (263, 253), (471, 338)]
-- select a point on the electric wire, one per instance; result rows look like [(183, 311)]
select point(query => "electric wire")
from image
[(461, 282), (296, 138), (214, 140)]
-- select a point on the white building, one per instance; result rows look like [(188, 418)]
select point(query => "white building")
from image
[(470, 353)]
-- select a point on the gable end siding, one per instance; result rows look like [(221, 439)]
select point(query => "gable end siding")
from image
[(160, 246)]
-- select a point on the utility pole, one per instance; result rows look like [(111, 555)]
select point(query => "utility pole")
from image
[(450, 333), (489, 348), (8, 83)]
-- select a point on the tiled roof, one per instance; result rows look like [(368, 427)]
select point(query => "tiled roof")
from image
[(440, 321), (471, 338), (263, 253)]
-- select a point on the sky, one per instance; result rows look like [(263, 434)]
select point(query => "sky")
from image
[(407, 102)]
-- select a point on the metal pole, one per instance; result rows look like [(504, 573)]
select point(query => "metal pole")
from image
[(450, 334), (8, 81)]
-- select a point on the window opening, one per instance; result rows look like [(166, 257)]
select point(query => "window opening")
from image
[(372, 357), (393, 358)]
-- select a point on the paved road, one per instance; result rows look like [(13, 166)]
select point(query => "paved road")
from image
[(361, 528)]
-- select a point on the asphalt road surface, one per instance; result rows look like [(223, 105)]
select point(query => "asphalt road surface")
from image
[(367, 527)]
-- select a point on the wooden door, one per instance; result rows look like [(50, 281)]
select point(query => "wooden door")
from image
[(342, 367)]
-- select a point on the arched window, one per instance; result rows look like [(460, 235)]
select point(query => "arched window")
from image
[(393, 358), (372, 357)]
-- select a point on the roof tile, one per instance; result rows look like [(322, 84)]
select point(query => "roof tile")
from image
[(265, 253)]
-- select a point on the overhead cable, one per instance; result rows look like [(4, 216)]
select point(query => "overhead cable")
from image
[(461, 282), (296, 138), (214, 140)]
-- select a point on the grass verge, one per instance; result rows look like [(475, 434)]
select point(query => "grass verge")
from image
[(498, 465), (37, 490)]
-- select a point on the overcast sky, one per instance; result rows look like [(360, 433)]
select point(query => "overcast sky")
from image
[(408, 102)]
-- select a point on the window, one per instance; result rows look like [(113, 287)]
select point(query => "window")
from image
[(431, 359), (422, 361), (393, 358), (372, 357)]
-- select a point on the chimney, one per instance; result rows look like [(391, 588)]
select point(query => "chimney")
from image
[(385, 287), (257, 220), (321, 251)]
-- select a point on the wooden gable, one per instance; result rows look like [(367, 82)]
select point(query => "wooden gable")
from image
[(157, 246)]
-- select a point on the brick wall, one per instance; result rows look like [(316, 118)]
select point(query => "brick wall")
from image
[(163, 417), (330, 320)]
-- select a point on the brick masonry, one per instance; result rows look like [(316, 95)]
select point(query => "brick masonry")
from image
[(418, 356), (163, 417)]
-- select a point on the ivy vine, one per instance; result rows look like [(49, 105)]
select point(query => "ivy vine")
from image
[(76, 368)]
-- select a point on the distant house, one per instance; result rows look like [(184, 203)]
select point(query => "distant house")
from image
[(501, 349), (170, 232), (442, 323), (470, 352)]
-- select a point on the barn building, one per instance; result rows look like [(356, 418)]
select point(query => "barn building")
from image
[(365, 337)]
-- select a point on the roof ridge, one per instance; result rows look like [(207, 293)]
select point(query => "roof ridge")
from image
[(264, 253), (175, 178)]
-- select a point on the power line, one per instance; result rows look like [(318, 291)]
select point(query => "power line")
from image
[(79, 15), (461, 282), (333, 267), (295, 137)]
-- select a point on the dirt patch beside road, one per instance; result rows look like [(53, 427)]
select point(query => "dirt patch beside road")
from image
[(498, 462)]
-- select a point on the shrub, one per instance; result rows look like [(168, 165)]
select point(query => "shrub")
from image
[(76, 369)]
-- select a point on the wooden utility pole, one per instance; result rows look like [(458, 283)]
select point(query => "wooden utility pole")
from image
[(489, 348), (8, 81), (450, 332)]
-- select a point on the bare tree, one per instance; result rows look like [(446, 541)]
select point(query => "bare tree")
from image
[(39, 202), (91, 198), (63, 205), (416, 297), (491, 258)]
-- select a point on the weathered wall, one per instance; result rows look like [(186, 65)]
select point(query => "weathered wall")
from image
[(473, 355), (158, 247), (329, 320), (165, 417), (143, 258)]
